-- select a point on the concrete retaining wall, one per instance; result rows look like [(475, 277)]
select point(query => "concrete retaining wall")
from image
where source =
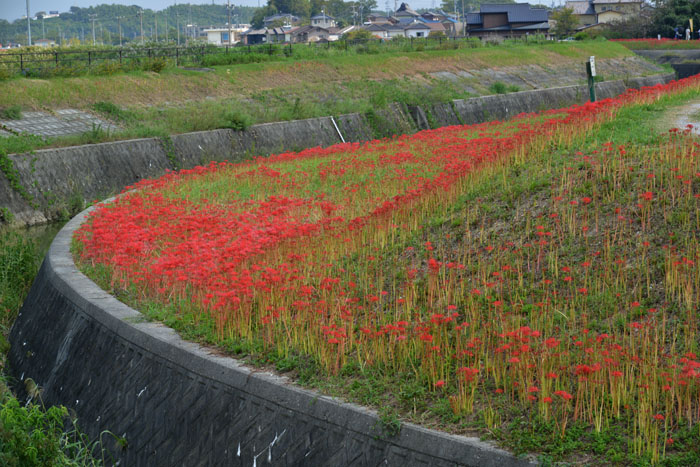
[(177, 404), (59, 181), (669, 56)]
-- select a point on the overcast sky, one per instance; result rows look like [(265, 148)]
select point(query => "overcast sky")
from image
[(15, 9)]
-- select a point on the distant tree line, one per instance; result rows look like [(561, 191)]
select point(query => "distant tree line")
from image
[(77, 24)]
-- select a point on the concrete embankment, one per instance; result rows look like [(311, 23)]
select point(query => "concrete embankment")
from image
[(51, 183), (176, 403)]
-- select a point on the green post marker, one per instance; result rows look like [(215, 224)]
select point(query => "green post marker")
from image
[(590, 71)]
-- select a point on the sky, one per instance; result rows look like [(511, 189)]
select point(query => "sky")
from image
[(15, 9)]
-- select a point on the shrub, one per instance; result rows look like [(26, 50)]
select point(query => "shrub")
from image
[(237, 120), (155, 65), (107, 68), (6, 74), (113, 111), (18, 265), (13, 112), (498, 88)]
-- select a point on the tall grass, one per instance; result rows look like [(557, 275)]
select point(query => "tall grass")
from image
[(31, 434)]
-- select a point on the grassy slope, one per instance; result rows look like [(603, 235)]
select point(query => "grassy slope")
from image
[(234, 96), (178, 86)]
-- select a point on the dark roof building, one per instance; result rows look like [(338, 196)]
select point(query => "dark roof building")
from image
[(285, 18), (508, 20), (405, 10)]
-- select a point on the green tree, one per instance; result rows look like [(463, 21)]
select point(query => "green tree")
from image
[(358, 35), (566, 22), (261, 14), (672, 14), (301, 8)]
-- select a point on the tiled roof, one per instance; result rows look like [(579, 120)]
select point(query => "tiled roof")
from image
[(436, 26), (417, 26), (474, 18), (404, 8), (517, 12)]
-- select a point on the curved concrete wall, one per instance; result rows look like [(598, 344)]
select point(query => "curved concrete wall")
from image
[(57, 180), (177, 403)]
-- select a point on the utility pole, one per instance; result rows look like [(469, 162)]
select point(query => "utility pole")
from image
[(93, 18), (141, 16), (166, 28), (29, 27), (119, 21), (43, 31), (155, 19), (464, 21), (177, 17), (228, 7)]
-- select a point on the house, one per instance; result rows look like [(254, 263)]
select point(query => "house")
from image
[(377, 30), (395, 30), (336, 33), (436, 27), (309, 34), (220, 36), (45, 43), (378, 19), (279, 35), (323, 21), (584, 11), (432, 16), (615, 10), (417, 29), (280, 19), (254, 36), (405, 11), (593, 12), (508, 20)]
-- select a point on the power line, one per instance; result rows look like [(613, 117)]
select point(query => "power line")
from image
[(29, 27), (141, 16), (119, 21), (93, 17)]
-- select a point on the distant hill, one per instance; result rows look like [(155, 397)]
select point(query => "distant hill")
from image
[(77, 23)]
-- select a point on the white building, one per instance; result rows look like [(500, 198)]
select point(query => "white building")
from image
[(220, 36), (323, 21), (45, 43)]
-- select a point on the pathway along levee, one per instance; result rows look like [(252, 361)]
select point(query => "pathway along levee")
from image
[(177, 403)]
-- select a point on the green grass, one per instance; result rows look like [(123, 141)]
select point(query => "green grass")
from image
[(31, 434), (651, 44)]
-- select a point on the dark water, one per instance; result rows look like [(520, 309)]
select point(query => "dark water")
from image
[(41, 235)]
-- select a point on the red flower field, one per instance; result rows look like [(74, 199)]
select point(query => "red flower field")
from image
[(501, 264)]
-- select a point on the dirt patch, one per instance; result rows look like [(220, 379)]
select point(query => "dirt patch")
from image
[(681, 117)]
